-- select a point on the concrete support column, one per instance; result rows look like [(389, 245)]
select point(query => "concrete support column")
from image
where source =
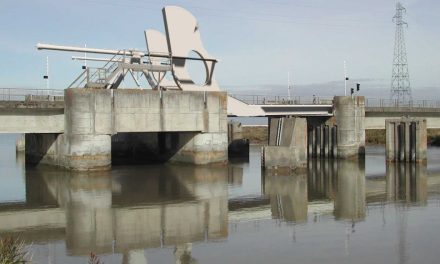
[(318, 141), (211, 145), (310, 140), (326, 141), (350, 119), (88, 128), (334, 142)]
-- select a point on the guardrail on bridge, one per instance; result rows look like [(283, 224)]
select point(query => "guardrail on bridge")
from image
[(389, 103), (297, 100), (18, 94), (282, 100), (23, 94)]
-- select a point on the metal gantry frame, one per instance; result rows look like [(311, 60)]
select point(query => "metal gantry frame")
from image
[(166, 53)]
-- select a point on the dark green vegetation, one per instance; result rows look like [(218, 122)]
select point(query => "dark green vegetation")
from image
[(13, 251)]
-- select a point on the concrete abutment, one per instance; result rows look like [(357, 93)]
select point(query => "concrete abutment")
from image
[(177, 126)]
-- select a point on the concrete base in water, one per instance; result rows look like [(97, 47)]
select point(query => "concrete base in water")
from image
[(192, 125), (80, 152), (406, 140), (287, 147)]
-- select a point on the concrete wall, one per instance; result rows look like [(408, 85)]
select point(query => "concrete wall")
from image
[(18, 120)]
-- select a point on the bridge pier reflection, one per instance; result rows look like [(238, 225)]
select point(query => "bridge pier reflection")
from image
[(350, 198), (288, 195), (132, 208), (407, 182)]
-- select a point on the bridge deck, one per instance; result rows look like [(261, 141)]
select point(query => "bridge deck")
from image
[(23, 112)]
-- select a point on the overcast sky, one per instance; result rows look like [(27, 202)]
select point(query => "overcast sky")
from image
[(257, 42)]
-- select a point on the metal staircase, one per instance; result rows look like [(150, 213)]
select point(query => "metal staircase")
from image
[(113, 72)]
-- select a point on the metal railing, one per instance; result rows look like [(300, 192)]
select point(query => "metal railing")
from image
[(388, 103), (18, 94), (24, 94), (297, 100), (98, 75), (282, 100)]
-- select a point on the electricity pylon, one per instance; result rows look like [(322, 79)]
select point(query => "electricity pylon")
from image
[(400, 84)]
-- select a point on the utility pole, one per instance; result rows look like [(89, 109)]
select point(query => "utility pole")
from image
[(345, 78), (46, 77), (400, 84)]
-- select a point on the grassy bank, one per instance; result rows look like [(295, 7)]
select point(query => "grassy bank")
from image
[(258, 135)]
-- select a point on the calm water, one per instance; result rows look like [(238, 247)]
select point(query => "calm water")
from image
[(342, 212)]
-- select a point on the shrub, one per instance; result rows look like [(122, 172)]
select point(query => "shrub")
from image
[(13, 251)]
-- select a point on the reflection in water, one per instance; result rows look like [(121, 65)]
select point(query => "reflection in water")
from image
[(148, 213), (322, 179), (288, 196), (350, 197), (407, 182), (134, 208), (342, 181)]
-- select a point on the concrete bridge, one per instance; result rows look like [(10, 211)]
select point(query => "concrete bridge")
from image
[(42, 111), (376, 110), (77, 132), (84, 128)]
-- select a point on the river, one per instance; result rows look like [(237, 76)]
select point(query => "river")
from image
[(333, 212)]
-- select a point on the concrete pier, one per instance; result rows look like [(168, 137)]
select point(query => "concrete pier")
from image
[(287, 149), (189, 127), (406, 140), (350, 119)]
